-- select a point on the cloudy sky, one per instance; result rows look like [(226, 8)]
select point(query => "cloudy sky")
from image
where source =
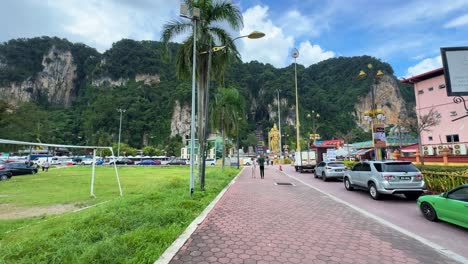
[(407, 34)]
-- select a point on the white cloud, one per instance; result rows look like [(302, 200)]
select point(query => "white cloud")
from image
[(425, 65), (457, 22), (100, 23), (297, 24), (310, 54), (273, 48)]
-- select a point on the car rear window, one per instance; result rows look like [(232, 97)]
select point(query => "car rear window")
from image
[(398, 167), (336, 164)]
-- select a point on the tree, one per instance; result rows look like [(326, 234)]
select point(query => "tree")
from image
[(423, 123), (347, 137), (209, 34), (149, 151), (225, 111)]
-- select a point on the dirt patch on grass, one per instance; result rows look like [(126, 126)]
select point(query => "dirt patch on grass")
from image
[(12, 211)]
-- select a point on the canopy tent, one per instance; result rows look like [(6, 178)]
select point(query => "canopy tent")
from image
[(410, 148), (24, 143), (362, 152)]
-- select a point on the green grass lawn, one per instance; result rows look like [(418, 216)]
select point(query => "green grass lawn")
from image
[(136, 228)]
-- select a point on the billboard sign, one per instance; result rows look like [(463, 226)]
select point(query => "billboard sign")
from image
[(455, 62), (379, 136)]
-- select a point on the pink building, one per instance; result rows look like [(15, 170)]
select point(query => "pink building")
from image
[(431, 93)]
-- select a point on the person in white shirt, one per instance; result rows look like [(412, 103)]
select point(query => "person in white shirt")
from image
[(254, 167)]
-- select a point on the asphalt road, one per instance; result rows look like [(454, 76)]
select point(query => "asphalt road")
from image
[(396, 210)]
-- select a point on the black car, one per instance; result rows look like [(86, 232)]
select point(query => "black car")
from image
[(18, 168), (177, 162), (4, 173), (123, 161)]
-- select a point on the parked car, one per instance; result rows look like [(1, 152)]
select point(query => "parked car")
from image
[(4, 173), (19, 168), (90, 162), (208, 162), (149, 162), (123, 161), (386, 177), (177, 161), (451, 206), (330, 170)]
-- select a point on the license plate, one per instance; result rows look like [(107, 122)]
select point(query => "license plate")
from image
[(338, 170), (405, 178)]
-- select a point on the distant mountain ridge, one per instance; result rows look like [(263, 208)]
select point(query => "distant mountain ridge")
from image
[(77, 89)]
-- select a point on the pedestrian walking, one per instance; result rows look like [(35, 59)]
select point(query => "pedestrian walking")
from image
[(46, 166), (261, 163), (254, 167)]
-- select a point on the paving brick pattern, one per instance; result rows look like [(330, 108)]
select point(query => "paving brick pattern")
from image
[(257, 221)]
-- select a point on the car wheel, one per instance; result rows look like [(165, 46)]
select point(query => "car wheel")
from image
[(347, 184), (324, 177), (412, 196), (428, 211), (3, 178), (373, 192), (315, 174), (212, 164), (301, 170)]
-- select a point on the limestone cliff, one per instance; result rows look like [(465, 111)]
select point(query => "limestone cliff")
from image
[(55, 82), (180, 122), (388, 98)]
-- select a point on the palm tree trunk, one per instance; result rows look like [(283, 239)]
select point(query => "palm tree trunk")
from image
[(223, 143)]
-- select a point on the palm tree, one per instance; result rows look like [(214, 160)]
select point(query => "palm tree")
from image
[(209, 34), (225, 111)]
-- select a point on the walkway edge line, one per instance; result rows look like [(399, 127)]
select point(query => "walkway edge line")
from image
[(452, 255), (172, 250)]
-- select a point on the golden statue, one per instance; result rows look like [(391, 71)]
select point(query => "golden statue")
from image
[(273, 139)]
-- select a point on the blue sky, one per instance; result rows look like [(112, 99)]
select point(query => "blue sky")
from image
[(406, 34)]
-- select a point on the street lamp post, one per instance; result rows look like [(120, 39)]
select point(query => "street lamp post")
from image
[(237, 143), (374, 115), (120, 129), (194, 17), (252, 35), (279, 127), (295, 54)]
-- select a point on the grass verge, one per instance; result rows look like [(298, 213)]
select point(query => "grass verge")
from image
[(137, 228)]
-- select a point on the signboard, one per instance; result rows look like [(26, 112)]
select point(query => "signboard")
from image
[(331, 154), (455, 61), (379, 136)]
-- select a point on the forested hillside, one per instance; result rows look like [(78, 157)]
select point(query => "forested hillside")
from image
[(140, 76)]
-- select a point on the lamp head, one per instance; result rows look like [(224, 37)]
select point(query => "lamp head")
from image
[(379, 73), (256, 35), (362, 74)]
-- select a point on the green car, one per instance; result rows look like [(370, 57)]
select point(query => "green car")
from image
[(451, 206)]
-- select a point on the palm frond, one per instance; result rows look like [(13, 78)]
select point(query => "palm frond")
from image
[(225, 11), (173, 28)]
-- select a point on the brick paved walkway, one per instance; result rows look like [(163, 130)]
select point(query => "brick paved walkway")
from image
[(257, 221)]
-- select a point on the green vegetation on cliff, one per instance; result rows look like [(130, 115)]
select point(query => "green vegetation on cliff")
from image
[(329, 87)]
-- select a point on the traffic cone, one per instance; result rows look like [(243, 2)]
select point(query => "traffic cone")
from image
[(280, 168)]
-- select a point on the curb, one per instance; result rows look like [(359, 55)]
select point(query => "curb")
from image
[(172, 250), (448, 253)]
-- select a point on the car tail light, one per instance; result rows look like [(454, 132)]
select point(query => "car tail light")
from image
[(389, 177), (2, 167), (419, 177), (328, 168)]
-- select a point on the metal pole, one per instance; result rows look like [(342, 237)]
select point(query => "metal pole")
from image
[(120, 130), (237, 144), (93, 173), (279, 127), (298, 146), (192, 122)]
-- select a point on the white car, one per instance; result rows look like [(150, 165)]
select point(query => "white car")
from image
[(87, 162)]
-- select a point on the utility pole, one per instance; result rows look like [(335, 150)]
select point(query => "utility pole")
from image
[(120, 129)]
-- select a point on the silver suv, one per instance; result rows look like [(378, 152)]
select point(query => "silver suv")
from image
[(386, 177)]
